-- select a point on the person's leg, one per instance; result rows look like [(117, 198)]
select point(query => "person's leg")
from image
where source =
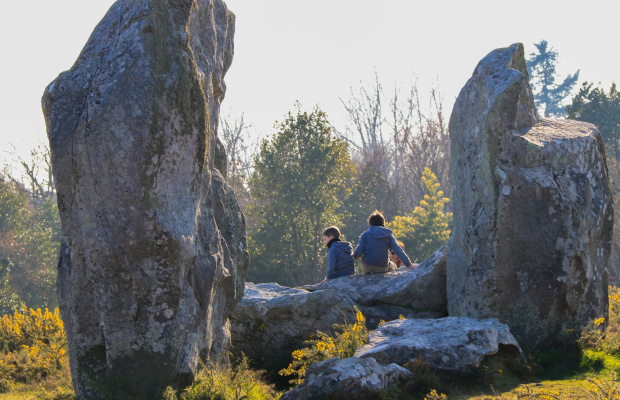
[(371, 269)]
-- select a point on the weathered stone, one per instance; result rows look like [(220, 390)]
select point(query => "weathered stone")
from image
[(271, 321), (347, 377), (417, 293), (155, 249), (446, 344), (532, 209)]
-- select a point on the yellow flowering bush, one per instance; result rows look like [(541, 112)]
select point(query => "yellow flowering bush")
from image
[(595, 337), (32, 345), (347, 339)]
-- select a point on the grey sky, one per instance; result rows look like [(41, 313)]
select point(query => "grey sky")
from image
[(312, 51)]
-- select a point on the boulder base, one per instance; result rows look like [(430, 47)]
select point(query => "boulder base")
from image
[(446, 344), (347, 377)]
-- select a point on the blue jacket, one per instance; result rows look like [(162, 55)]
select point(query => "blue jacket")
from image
[(340, 260), (374, 245)]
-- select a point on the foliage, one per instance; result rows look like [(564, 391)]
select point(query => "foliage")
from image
[(547, 93), (348, 338), (30, 233), (32, 345), (371, 191), (301, 177), (227, 384), (594, 105), (427, 227), (235, 135), (433, 395)]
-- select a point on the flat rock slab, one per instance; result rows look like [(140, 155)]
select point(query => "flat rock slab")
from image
[(347, 377), (447, 344)]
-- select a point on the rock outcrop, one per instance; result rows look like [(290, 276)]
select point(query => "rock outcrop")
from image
[(532, 209), (347, 377), (155, 249), (418, 293), (271, 321), (445, 344)]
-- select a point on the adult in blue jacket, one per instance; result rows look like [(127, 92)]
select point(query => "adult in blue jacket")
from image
[(374, 245)]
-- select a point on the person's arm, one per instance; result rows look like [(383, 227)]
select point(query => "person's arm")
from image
[(331, 263), (399, 252), (359, 250)]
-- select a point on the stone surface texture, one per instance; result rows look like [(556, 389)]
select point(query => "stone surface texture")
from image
[(155, 251), (421, 290), (271, 321), (532, 206), (347, 377), (446, 344)]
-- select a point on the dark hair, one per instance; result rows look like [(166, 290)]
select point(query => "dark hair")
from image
[(332, 231), (376, 219)]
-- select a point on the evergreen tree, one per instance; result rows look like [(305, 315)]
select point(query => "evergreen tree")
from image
[(301, 177), (548, 95), (601, 109), (427, 227)]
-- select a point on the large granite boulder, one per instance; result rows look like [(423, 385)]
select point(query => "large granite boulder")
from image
[(347, 377), (155, 249), (271, 321), (445, 344), (532, 209), (417, 293)]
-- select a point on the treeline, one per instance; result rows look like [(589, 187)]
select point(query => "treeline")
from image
[(392, 156), (30, 234)]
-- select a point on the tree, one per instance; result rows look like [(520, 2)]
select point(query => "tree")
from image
[(30, 233), (371, 191), (427, 227), (301, 177), (602, 109), (398, 137), (548, 94), (235, 136)]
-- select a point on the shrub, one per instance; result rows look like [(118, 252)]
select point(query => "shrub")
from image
[(348, 338), (227, 384), (32, 345)]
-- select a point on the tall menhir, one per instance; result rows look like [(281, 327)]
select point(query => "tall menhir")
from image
[(155, 248)]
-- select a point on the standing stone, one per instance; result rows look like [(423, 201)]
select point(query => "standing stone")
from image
[(155, 251), (532, 207)]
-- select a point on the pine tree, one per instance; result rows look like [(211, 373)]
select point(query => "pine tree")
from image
[(548, 95), (427, 227)]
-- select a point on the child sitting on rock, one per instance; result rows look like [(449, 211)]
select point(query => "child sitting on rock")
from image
[(374, 245), (339, 255)]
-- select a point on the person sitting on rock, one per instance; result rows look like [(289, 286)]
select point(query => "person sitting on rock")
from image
[(394, 257), (339, 255), (374, 245)]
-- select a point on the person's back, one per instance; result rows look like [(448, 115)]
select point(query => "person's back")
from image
[(339, 255), (374, 245)]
